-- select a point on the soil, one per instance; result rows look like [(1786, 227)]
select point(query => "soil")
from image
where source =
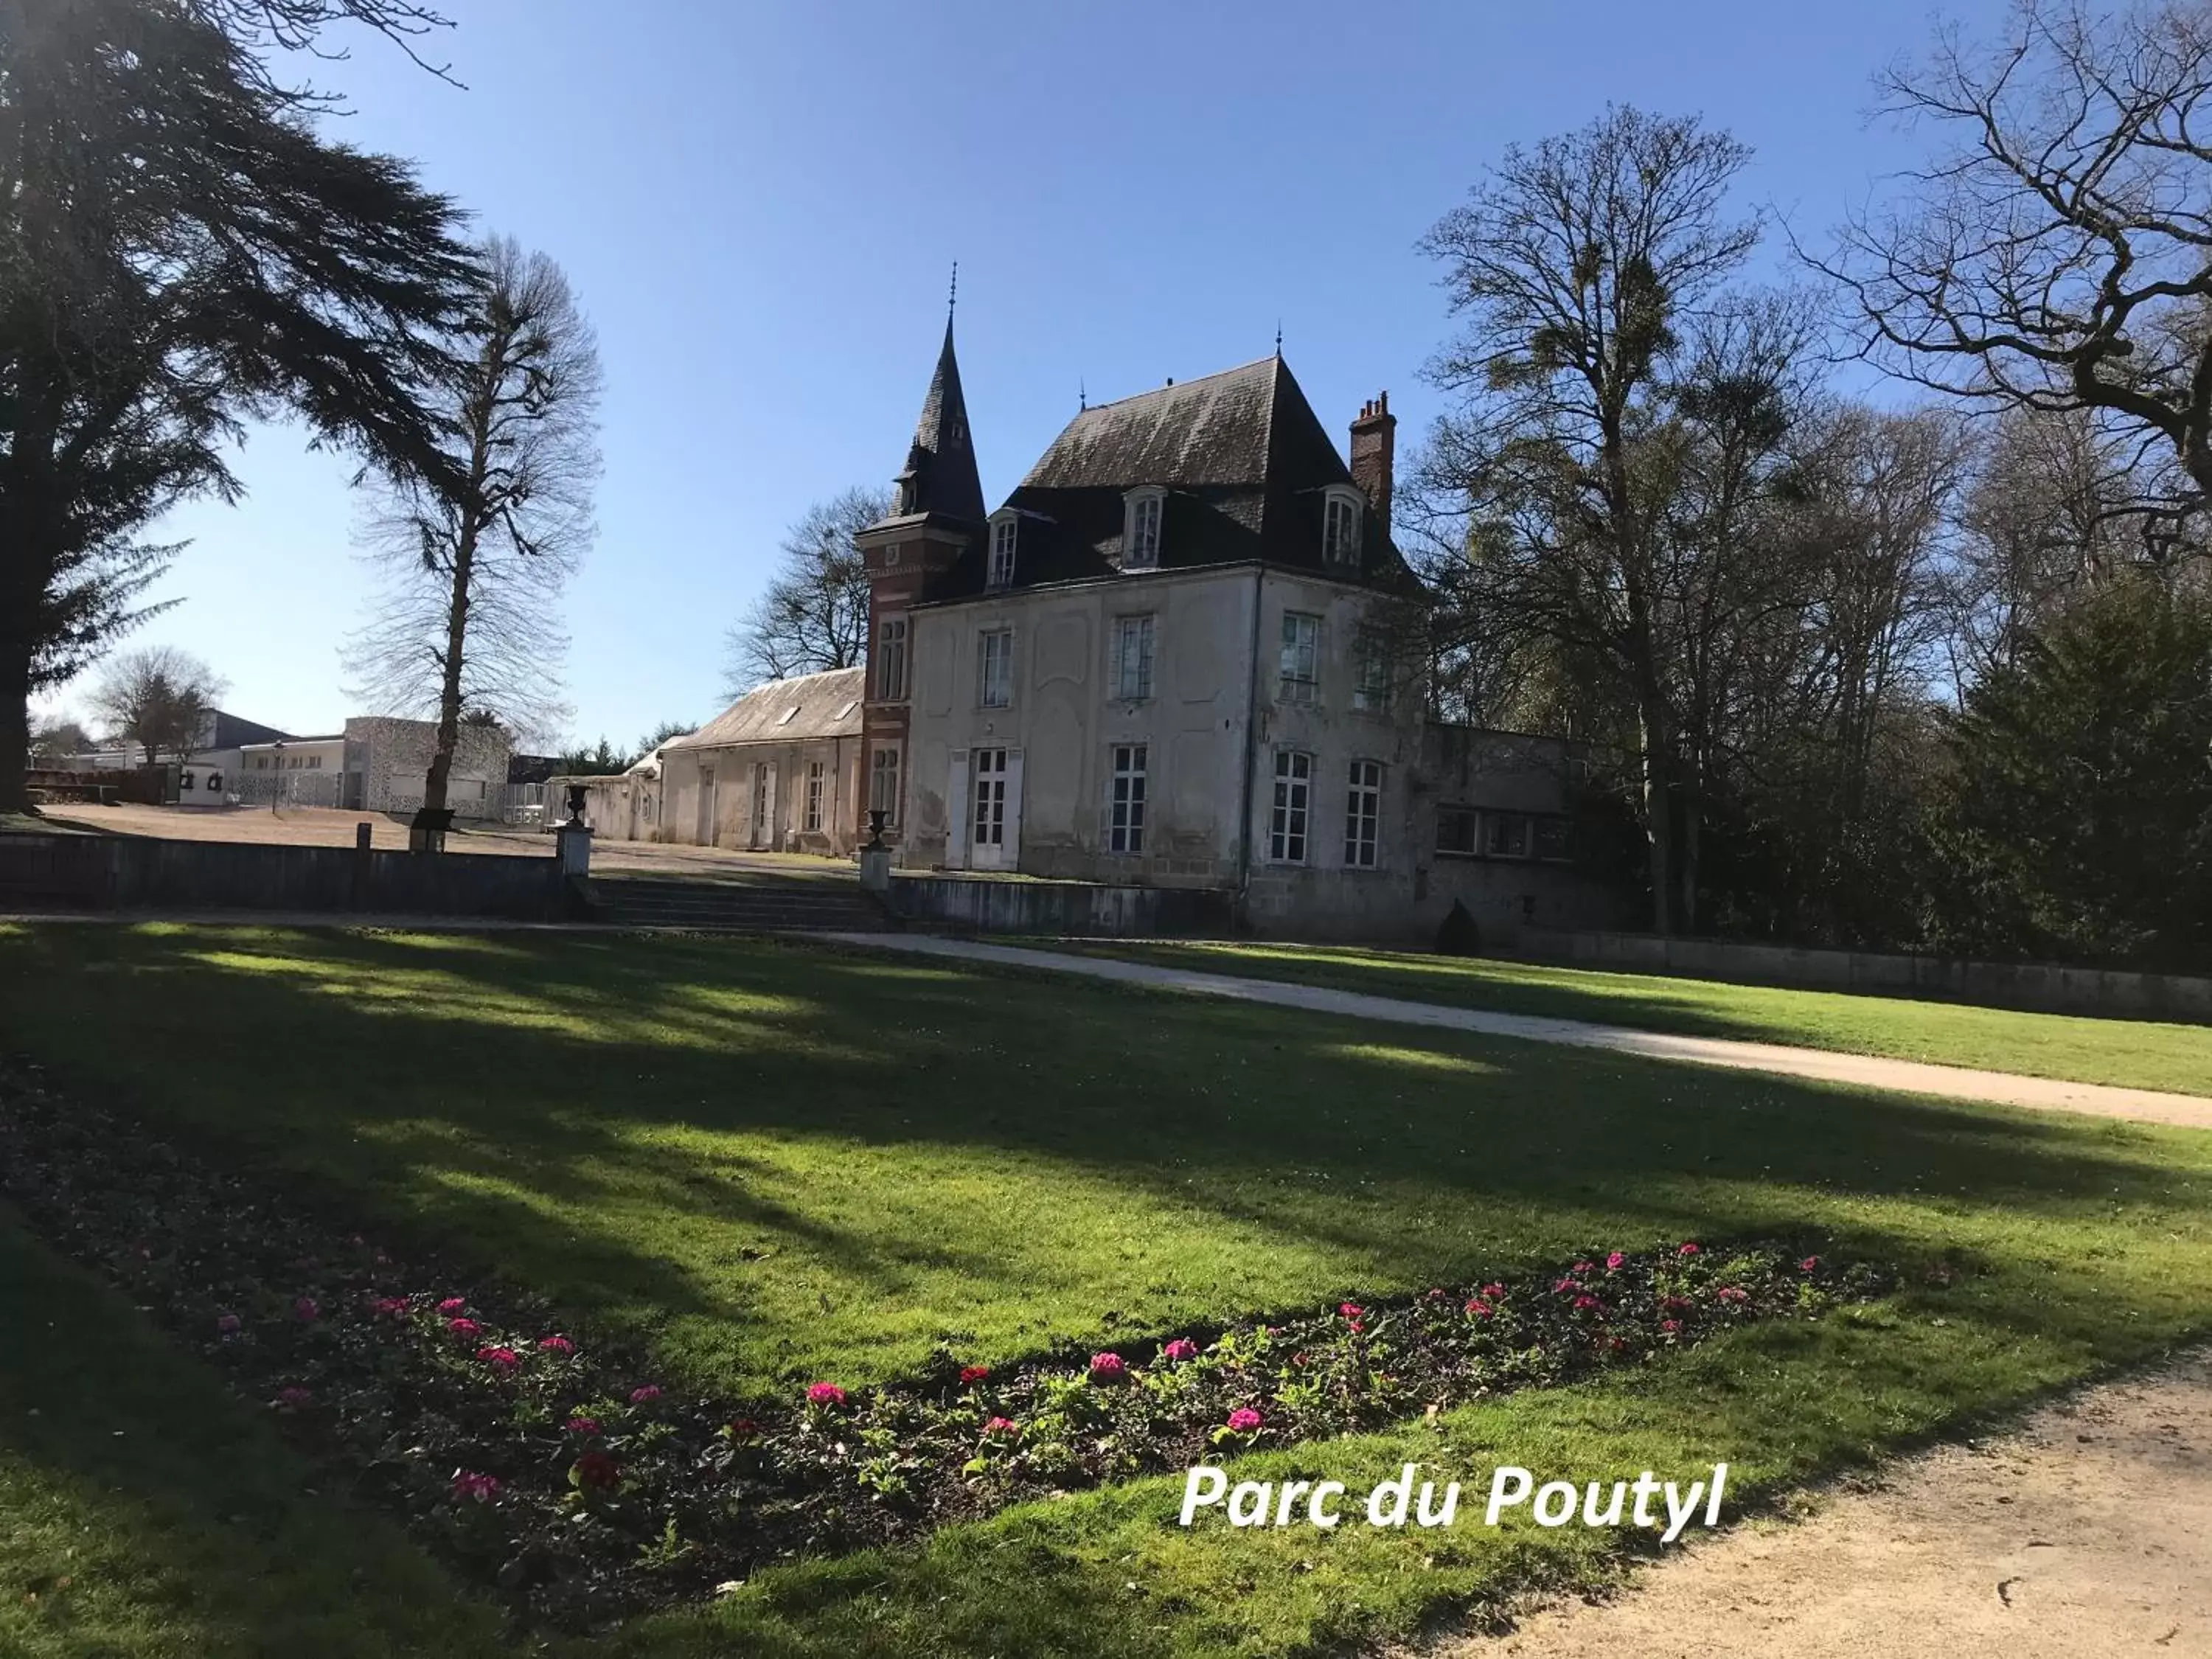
[(2087, 1534)]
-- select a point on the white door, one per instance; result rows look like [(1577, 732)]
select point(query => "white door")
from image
[(994, 810), (705, 837)]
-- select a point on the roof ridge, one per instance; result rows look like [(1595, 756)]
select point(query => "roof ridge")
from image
[(1178, 386)]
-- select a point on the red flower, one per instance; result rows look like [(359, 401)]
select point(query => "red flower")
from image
[(582, 1425), (1564, 1287), (1001, 1425), (1808, 1264), (1585, 1304), (1492, 1292), (481, 1487), (1181, 1348), (1243, 1420), (745, 1428), (1352, 1310), (1670, 1326), (1687, 1249), (596, 1472), (1585, 1266), (1677, 1304), (463, 1327), (557, 1345), (453, 1304), (1613, 1261), (1108, 1368), (969, 1373), (505, 1359), (1478, 1308), (390, 1307), (644, 1394), (1731, 1293), (824, 1394)]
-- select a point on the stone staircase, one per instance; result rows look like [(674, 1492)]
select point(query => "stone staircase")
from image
[(750, 907)]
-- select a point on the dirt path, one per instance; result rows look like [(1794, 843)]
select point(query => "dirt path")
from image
[(2087, 1534), (1904, 1076)]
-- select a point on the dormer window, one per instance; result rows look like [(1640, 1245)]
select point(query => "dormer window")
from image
[(1004, 528), (1339, 525), (1140, 529)]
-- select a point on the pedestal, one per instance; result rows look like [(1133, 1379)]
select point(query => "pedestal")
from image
[(876, 869), (572, 846)]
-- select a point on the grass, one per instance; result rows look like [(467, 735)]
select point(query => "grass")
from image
[(769, 1163), (2130, 1053)]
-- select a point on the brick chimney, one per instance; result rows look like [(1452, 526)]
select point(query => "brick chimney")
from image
[(1374, 451)]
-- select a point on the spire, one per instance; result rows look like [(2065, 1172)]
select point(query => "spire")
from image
[(940, 474)]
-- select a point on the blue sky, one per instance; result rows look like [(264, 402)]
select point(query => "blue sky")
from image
[(759, 205)]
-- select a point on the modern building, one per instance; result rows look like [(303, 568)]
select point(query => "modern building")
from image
[(1186, 651)]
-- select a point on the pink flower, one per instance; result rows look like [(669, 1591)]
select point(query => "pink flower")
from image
[(390, 1307), (1677, 1304), (1564, 1287), (1492, 1292), (505, 1359), (1808, 1264), (1000, 1425), (971, 1374), (463, 1327), (1670, 1326), (1478, 1308), (1585, 1266), (483, 1488), (305, 1309), (295, 1398), (1352, 1310), (453, 1304), (1585, 1304), (1243, 1420), (1108, 1368), (1731, 1293), (643, 1394), (1181, 1348), (556, 1344), (582, 1425), (1687, 1249), (228, 1323), (1613, 1261), (824, 1394)]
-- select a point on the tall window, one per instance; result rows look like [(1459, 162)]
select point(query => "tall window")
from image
[(994, 668), (1340, 530), (884, 782), (1301, 677), (816, 772), (1287, 826), (1125, 805), (890, 659), (1363, 814), (1371, 684), (1002, 550), (1132, 658), (1505, 835), (1140, 534)]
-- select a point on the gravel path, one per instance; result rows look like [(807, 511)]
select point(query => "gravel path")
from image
[(2084, 1534), (1904, 1076)]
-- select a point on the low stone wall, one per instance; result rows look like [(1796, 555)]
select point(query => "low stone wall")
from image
[(980, 904), (2044, 987), (118, 872)]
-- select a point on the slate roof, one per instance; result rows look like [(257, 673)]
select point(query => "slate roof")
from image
[(1244, 462), (826, 705), (941, 476)]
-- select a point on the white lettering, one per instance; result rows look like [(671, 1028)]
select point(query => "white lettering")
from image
[(1499, 1497), (1396, 1494), (1315, 1513), (1563, 1490), (1645, 1490), (1713, 1503), (1291, 1491), (1193, 1501), (1612, 1516), (1679, 1514), (1438, 1518), (1253, 1513)]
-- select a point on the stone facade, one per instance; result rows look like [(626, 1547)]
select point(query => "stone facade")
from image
[(387, 761)]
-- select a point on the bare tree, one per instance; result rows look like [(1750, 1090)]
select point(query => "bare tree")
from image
[(814, 614), (155, 698), (2056, 254), (471, 622), (55, 740), (1577, 265)]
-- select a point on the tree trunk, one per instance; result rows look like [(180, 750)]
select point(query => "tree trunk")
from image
[(14, 712), (471, 526)]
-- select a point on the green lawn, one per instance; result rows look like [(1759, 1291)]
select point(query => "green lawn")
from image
[(2134, 1053), (771, 1162)]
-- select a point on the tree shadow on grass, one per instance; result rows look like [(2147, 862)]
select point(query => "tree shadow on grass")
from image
[(786, 1154)]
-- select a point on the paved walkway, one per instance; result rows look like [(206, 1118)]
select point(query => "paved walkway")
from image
[(1904, 1076), (2081, 1535)]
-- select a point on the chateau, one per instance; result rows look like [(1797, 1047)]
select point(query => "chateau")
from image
[(1185, 651)]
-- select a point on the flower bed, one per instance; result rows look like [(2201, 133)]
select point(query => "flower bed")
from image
[(565, 1474)]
